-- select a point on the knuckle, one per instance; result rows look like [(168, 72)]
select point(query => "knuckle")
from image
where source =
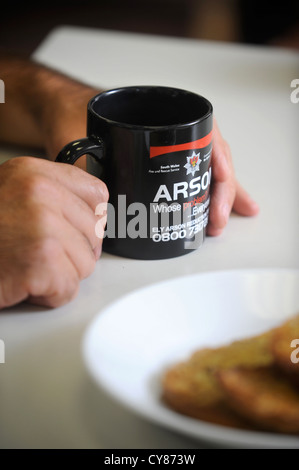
[(26, 167), (105, 192), (34, 186), (56, 295), (100, 190), (66, 291), (26, 161), (87, 262), (43, 221), (22, 162), (46, 250), (24, 178), (15, 170), (48, 279)]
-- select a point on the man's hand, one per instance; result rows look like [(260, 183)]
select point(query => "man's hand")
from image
[(227, 193), (47, 230)]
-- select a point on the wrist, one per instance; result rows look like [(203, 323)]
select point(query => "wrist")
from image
[(43, 108), (62, 112)]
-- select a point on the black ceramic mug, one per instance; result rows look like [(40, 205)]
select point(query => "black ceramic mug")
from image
[(152, 146)]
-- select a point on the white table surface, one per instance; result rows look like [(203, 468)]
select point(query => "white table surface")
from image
[(46, 396)]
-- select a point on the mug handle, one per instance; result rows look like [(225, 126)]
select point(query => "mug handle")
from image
[(75, 149)]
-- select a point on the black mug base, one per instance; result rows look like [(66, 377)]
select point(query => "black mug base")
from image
[(139, 249)]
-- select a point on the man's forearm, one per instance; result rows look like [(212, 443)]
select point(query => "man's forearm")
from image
[(17, 121), (35, 98)]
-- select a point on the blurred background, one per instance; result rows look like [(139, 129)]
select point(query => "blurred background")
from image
[(24, 25)]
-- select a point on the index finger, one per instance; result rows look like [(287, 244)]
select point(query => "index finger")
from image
[(88, 187)]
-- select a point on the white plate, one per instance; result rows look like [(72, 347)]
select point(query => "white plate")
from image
[(128, 346)]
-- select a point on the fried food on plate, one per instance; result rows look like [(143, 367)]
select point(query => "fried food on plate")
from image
[(192, 387), (285, 348), (262, 396), (251, 383)]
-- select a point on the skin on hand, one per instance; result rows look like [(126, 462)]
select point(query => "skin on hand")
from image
[(226, 194), (47, 230)]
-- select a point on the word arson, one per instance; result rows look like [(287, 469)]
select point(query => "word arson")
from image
[(186, 190)]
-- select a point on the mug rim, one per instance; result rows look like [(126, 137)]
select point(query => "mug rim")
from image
[(122, 124)]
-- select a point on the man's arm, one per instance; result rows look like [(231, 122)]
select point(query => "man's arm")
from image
[(43, 108), (47, 210)]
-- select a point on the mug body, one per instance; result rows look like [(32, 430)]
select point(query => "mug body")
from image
[(152, 146), (157, 166)]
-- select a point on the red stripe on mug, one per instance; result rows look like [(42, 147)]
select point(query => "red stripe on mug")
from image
[(196, 144)]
